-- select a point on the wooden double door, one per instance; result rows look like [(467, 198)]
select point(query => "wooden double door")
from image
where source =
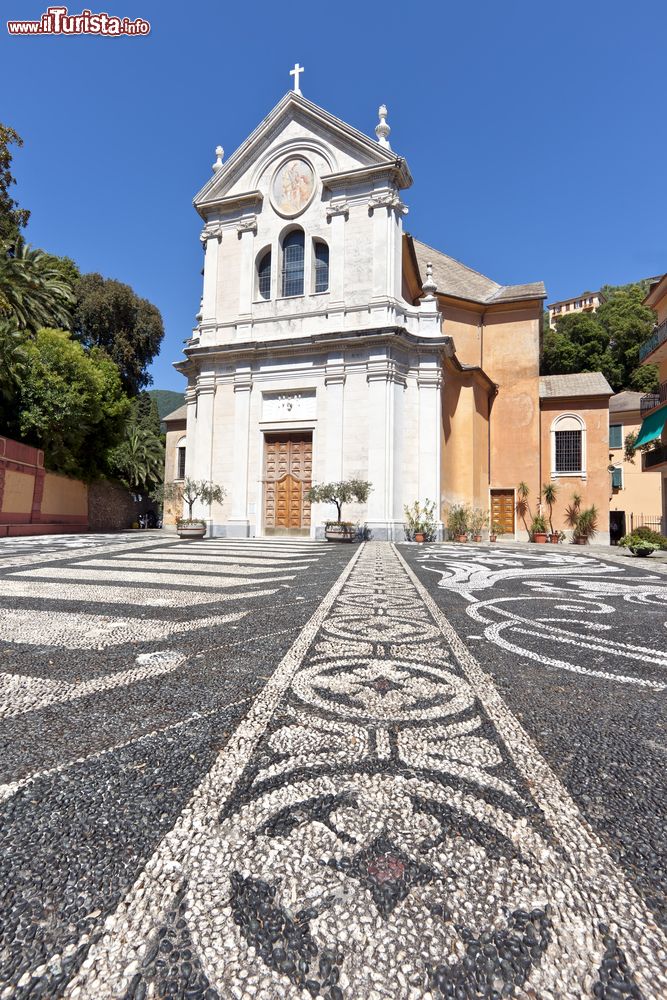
[(288, 472), (502, 510)]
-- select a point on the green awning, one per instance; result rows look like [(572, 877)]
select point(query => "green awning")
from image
[(652, 427)]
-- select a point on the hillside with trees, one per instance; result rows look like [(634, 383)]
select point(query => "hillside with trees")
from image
[(607, 341)]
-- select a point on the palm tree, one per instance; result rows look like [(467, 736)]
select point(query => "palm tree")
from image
[(522, 506), (139, 460), (550, 492), (33, 292), (12, 360)]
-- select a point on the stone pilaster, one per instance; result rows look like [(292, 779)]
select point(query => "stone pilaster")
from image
[(239, 522)]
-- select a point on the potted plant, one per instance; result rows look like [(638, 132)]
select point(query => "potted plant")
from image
[(638, 545), (338, 493), (550, 492), (420, 523), (586, 525), (522, 506), (458, 518), (478, 520), (496, 529), (188, 492), (538, 530)]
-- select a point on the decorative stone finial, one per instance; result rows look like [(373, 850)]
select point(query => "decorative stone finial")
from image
[(219, 152), (429, 287), (382, 130)]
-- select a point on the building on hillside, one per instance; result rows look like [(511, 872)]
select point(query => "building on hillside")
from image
[(635, 496), (330, 345), (654, 404), (586, 302)]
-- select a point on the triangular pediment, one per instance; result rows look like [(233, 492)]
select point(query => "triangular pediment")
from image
[(296, 124)]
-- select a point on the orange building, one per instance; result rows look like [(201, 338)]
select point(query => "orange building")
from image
[(586, 302)]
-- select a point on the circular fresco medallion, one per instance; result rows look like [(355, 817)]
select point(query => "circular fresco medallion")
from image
[(292, 187)]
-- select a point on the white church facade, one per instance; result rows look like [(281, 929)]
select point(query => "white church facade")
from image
[(331, 345)]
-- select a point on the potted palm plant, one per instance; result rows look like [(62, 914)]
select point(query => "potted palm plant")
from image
[(550, 492), (538, 530), (522, 506), (188, 492), (458, 519), (586, 525), (345, 491)]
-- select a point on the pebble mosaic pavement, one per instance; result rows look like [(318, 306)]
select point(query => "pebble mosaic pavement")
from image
[(281, 769)]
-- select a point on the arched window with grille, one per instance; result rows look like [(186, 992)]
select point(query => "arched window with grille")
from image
[(321, 266), (293, 263), (568, 446), (264, 275)]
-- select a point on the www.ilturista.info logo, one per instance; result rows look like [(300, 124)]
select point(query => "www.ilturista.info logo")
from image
[(57, 21)]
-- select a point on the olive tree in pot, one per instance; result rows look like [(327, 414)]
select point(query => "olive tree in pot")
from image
[(458, 522), (187, 493), (346, 491), (538, 530)]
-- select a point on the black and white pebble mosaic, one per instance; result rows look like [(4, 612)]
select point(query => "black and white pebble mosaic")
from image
[(355, 813)]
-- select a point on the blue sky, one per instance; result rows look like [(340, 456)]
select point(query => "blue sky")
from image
[(534, 131)]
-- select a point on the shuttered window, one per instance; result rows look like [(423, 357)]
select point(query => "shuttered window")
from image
[(615, 435), (617, 479)]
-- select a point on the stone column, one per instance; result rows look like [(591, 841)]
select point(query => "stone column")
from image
[(334, 380), (239, 522), (210, 237), (203, 456), (246, 230), (385, 422), (429, 381)]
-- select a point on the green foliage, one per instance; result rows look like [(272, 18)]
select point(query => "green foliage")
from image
[(13, 359), (478, 520), (606, 341), (146, 414), (167, 400), (69, 403), (550, 494), (189, 492), (639, 545), (522, 506), (538, 525), (420, 519), (138, 461), (33, 292), (111, 315), (12, 218), (458, 519), (346, 491), (586, 524), (648, 535)]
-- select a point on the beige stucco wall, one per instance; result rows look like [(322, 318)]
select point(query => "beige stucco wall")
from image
[(641, 490), (596, 487), (175, 431), (18, 494), (64, 497)]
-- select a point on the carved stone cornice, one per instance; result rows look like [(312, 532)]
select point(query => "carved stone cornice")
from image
[(387, 199), (338, 207), (248, 224), (210, 231)]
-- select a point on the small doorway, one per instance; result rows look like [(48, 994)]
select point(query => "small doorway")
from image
[(288, 472), (502, 510)]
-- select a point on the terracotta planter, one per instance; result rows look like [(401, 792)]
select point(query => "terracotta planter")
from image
[(191, 530), (461, 538), (476, 538), (580, 541), (420, 536), (540, 537), (340, 533), (493, 538), (553, 539)]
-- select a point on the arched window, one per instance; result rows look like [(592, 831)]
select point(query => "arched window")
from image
[(293, 263), (264, 275), (568, 446), (180, 459), (321, 266)]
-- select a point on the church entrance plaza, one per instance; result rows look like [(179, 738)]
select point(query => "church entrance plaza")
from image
[(281, 768)]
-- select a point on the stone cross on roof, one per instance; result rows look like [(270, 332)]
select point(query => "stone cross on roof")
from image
[(296, 73)]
